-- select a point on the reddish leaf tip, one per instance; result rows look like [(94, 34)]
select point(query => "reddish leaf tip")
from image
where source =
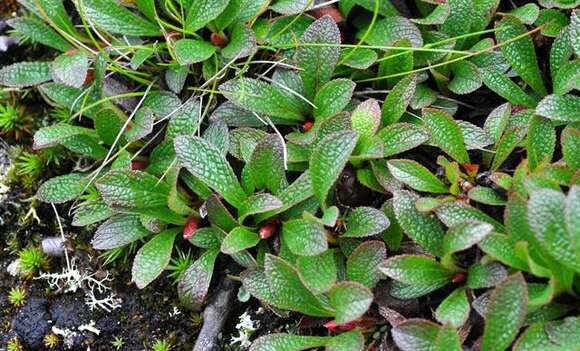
[(190, 227)]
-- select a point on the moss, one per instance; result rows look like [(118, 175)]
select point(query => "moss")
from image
[(51, 341), (32, 260), (161, 345), (14, 345), (17, 296)]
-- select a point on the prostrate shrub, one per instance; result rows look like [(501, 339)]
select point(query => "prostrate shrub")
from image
[(252, 134)]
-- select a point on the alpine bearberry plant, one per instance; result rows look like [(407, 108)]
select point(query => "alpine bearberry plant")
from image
[(343, 160)]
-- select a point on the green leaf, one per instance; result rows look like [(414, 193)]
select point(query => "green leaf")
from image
[(561, 51), (349, 341), (207, 238), (415, 270), (460, 19), (527, 13), (153, 257), (388, 31), (454, 309), (56, 134), (239, 239), (401, 137), (453, 213), (358, 58), (520, 53), (114, 18), (464, 235), (423, 97), (175, 77), (287, 342), (502, 248), (553, 22), (24, 74), (54, 10), (547, 219), (570, 140), (416, 176), (366, 118), (362, 264), (416, 335), (208, 164), (201, 12), (365, 221), (287, 288), (305, 238), (541, 141), (422, 228), (506, 145), (350, 300), (567, 78), (194, 282), (560, 108), (404, 291), (328, 160), (258, 203), (396, 63), (398, 99), (291, 7), (62, 188), (437, 16), (125, 188), (318, 273), (242, 42), (448, 339), (39, 32), (333, 97), (497, 121), (317, 62), (70, 69), (505, 87), (254, 280), (474, 136), (266, 165), (90, 212), (260, 97), (466, 78), (486, 196), (118, 231), (446, 134), (505, 313), (575, 31), (190, 51), (481, 276)]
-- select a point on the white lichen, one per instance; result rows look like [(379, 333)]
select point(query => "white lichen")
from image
[(90, 327), (68, 336), (97, 293), (246, 328), (14, 268), (176, 312)]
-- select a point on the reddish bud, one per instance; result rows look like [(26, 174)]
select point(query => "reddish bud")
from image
[(267, 230), (218, 40), (471, 168), (333, 327), (190, 227), (307, 126), (328, 11), (138, 164), (458, 278), (90, 77), (71, 52), (518, 108)]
